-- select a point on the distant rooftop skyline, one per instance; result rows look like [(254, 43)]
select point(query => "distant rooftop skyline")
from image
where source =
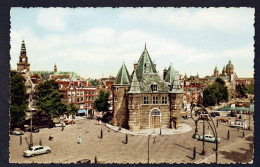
[(94, 42)]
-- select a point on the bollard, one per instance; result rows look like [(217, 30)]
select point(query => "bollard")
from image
[(40, 142), (228, 135), (243, 134), (194, 152), (101, 134), (126, 139), (95, 160), (21, 141)]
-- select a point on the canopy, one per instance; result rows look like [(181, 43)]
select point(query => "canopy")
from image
[(82, 111)]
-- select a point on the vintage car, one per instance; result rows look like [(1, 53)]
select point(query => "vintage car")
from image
[(209, 138), (34, 129), (36, 150), (16, 132), (222, 120)]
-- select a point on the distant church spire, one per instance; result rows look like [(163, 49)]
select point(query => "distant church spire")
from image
[(55, 67), (23, 46)]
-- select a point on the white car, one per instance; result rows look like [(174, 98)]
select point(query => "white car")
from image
[(35, 150)]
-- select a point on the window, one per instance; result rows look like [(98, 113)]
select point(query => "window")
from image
[(86, 105), (154, 88), (155, 112), (86, 92), (82, 98), (86, 98), (78, 93), (79, 84), (93, 92), (155, 100), (117, 89), (146, 100), (77, 99), (89, 104), (116, 99), (82, 92), (164, 100)]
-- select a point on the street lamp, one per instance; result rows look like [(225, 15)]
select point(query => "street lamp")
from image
[(212, 126)]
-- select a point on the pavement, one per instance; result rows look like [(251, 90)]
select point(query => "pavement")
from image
[(229, 154), (164, 131)]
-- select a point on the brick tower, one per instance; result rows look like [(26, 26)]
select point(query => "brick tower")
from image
[(23, 66)]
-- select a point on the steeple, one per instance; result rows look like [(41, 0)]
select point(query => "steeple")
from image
[(134, 85), (23, 48), (123, 77), (145, 64), (55, 67)]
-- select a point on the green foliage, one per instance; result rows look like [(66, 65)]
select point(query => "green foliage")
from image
[(250, 89), (242, 89), (94, 82), (101, 103), (215, 93), (18, 102), (72, 109), (48, 100)]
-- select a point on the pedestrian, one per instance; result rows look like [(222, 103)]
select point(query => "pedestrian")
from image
[(79, 140), (62, 127), (229, 121), (50, 137), (99, 122)]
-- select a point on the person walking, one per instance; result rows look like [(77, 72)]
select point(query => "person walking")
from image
[(49, 136), (79, 140)]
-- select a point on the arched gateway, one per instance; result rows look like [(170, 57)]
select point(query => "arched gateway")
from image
[(155, 118)]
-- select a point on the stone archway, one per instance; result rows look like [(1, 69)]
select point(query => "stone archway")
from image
[(155, 118)]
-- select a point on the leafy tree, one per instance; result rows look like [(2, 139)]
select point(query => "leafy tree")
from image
[(94, 82), (241, 90), (72, 109), (250, 89), (48, 100), (215, 93), (101, 103), (18, 102)]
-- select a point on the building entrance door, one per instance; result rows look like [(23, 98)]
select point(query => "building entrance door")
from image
[(155, 119)]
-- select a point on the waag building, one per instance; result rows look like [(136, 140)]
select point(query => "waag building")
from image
[(144, 99)]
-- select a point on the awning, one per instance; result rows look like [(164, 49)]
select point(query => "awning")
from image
[(82, 111)]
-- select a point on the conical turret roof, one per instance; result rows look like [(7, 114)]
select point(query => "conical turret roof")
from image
[(123, 77), (145, 65), (170, 76), (134, 85)]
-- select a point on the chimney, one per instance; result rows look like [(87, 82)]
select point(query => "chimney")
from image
[(135, 66)]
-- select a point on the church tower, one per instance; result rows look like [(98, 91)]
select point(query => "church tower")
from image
[(216, 72), (55, 67), (23, 66)]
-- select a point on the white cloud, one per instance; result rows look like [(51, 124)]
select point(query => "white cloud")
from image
[(223, 19), (52, 19), (241, 52)]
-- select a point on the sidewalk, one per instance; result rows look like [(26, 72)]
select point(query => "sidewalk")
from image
[(240, 145), (164, 131)]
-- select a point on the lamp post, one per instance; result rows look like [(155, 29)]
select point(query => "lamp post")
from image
[(211, 125), (30, 107)]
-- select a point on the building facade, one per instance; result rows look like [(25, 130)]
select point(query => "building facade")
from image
[(145, 100)]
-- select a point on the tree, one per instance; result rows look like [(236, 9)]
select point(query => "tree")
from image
[(241, 90), (72, 109), (215, 93), (18, 102), (101, 103), (250, 89), (94, 82), (48, 100)]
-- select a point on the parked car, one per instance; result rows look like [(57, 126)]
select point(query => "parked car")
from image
[(60, 124), (222, 120), (209, 138), (212, 114), (34, 129), (17, 132), (216, 113), (36, 150)]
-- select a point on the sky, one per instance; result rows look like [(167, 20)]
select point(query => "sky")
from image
[(94, 42)]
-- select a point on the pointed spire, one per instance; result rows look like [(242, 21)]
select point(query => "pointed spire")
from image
[(123, 77), (23, 46), (145, 45), (170, 75), (134, 85)]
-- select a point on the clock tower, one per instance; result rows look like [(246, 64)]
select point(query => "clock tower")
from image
[(23, 66)]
